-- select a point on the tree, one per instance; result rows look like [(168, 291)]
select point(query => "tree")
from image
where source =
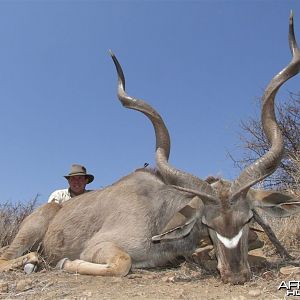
[(287, 175), (254, 142)]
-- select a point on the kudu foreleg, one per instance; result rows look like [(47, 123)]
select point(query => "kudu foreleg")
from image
[(106, 259)]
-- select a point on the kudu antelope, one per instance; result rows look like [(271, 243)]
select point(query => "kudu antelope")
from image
[(149, 218)]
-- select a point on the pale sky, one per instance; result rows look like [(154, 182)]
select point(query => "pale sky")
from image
[(201, 64)]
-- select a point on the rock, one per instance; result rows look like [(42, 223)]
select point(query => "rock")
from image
[(24, 285), (3, 287), (268, 275), (254, 293), (202, 254), (181, 294), (257, 252), (256, 257), (169, 279), (290, 270)]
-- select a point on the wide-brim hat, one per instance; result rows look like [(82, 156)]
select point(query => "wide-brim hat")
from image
[(79, 170)]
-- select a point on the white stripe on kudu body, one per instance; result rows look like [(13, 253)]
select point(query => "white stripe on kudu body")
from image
[(230, 243)]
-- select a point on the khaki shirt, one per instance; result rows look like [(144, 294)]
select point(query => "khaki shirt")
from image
[(61, 196)]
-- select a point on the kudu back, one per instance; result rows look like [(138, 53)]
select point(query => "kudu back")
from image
[(150, 217)]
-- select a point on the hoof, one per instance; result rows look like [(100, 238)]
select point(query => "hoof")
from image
[(30, 268), (60, 264)]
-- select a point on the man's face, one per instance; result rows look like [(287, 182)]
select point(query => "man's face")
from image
[(77, 183)]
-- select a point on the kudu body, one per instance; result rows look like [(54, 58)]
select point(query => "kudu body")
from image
[(149, 218)]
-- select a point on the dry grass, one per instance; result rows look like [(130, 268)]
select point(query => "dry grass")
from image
[(11, 216), (287, 231)]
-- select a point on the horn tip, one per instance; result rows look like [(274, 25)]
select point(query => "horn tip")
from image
[(291, 17), (111, 53)]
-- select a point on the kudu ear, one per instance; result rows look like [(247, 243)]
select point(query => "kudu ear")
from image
[(274, 203), (182, 222)]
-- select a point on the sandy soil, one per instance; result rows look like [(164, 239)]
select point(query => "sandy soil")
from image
[(188, 281)]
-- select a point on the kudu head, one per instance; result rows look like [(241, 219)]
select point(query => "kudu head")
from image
[(224, 208)]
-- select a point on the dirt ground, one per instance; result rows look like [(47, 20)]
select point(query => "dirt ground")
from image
[(188, 281)]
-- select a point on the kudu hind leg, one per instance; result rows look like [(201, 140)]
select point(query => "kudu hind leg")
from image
[(32, 231), (104, 259), (29, 258)]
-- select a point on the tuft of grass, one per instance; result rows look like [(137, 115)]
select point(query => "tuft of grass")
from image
[(287, 230), (11, 217)]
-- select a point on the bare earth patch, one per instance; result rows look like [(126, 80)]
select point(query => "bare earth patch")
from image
[(188, 281)]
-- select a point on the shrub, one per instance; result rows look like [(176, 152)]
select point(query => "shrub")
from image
[(11, 217)]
